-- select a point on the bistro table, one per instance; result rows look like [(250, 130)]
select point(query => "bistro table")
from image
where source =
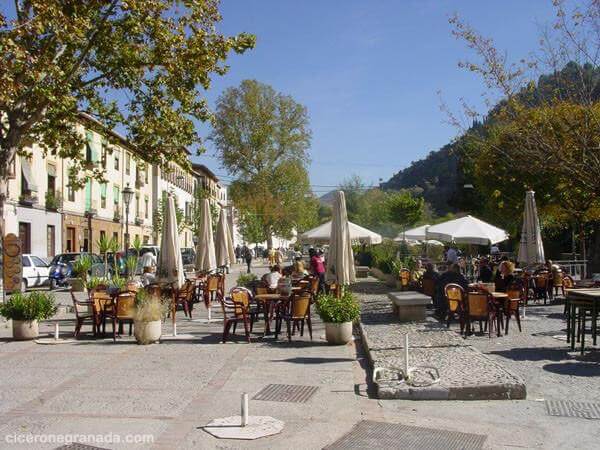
[(268, 300), (582, 299)]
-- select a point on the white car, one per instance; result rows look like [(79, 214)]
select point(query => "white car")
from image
[(35, 271)]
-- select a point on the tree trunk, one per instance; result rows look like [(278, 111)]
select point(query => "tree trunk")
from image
[(582, 243)]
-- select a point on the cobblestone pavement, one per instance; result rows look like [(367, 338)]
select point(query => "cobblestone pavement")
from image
[(431, 345), (170, 390)]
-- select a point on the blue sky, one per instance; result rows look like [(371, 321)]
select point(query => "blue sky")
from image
[(369, 72)]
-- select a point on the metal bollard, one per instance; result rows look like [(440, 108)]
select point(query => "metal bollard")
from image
[(244, 409)]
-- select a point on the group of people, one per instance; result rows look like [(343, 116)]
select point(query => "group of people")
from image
[(500, 272), (279, 275)]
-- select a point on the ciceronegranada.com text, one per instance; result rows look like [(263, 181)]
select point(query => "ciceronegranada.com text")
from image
[(109, 438)]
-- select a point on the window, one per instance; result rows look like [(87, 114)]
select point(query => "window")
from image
[(102, 234), (116, 195), (70, 239), (116, 160), (70, 193), (146, 174), (103, 148), (127, 163), (88, 152), (137, 205), (25, 261), (116, 236), (50, 240), (103, 195), (25, 236), (146, 207), (38, 262)]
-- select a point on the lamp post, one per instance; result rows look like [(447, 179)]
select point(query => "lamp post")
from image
[(127, 196)]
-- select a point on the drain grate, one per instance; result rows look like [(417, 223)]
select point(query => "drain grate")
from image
[(567, 408), (78, 446), (369, 435), (290, 393)]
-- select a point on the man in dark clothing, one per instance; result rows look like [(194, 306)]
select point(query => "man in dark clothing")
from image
[(452, 275), (485, 272), (247, 253)]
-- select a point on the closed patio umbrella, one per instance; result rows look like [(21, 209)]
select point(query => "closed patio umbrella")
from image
[(340, 261), (206, 260), (169, 267), (224, 244), (531, 247)]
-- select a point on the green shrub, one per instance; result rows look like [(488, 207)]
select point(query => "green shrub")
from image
[(94, 282), (82, 266), (338, 310), (27, 307), (246, 279), (149, 308)]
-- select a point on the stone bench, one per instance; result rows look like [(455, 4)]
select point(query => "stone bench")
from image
[(361, 271), (409, 305)]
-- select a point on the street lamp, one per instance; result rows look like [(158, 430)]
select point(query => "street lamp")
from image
[(127, 196)]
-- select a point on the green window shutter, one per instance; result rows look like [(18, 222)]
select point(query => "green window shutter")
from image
[(88, 195)]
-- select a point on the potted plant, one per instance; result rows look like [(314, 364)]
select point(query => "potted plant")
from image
[(150, 310), (25, 310), (80, 270), (131, 264), (338, 315), (247, 280)]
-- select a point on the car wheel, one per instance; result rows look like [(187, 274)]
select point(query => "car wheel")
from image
[(23, 285)]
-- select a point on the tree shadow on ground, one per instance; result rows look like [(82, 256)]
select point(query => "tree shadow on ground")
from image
[(535, 354), (575, 369), (312, 360)]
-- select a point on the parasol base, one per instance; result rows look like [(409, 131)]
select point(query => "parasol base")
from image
[(256, 428)]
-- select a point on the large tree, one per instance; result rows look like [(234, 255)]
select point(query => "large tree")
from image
[(262, 138), (544, 134), (138, 64)]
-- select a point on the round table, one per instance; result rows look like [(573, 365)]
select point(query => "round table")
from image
[(268, 300)]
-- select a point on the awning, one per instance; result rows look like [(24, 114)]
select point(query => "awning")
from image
[(27, 175)]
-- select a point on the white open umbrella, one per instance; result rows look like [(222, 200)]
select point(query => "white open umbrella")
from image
[(169, 267), (531, 247), (340, 260), (467, 230), (224, 245), (414, 234), (322, 234), (206, 260)]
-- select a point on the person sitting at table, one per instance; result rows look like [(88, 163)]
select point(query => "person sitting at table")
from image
[(272, 277), (452, 275), (485, 271), (504, 276), (298, 270)]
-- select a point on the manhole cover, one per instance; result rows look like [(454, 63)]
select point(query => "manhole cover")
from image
[(286, 393), (78, 446), (369, 435), (567, 408)]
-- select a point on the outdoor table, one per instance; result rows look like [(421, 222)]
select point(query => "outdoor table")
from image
[(582, 298), (499, 300), (268, 300)]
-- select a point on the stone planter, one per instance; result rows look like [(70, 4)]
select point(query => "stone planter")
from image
[(25, 329), (147, 332), (338, 333), (77, 284)]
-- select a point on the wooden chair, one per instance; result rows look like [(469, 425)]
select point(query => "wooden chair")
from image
[(295, 312), (455, 298), (122, 312), (314, 287), (214, 288), (184, 297), (101, 300), (235, 309), (404, 279), (478, 308), (84, 311), (428, 285), (541, 286), (568, 283), (516, 297), (154, 290)]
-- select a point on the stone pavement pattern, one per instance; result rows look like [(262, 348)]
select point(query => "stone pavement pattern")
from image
[(172, 389), (431, 345)]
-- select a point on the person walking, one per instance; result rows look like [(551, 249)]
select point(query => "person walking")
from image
[(318, 268), (247, 256), (238, 254)]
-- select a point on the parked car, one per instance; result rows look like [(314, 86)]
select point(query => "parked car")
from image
[(61, 267), (36, 271), (188, 255)]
